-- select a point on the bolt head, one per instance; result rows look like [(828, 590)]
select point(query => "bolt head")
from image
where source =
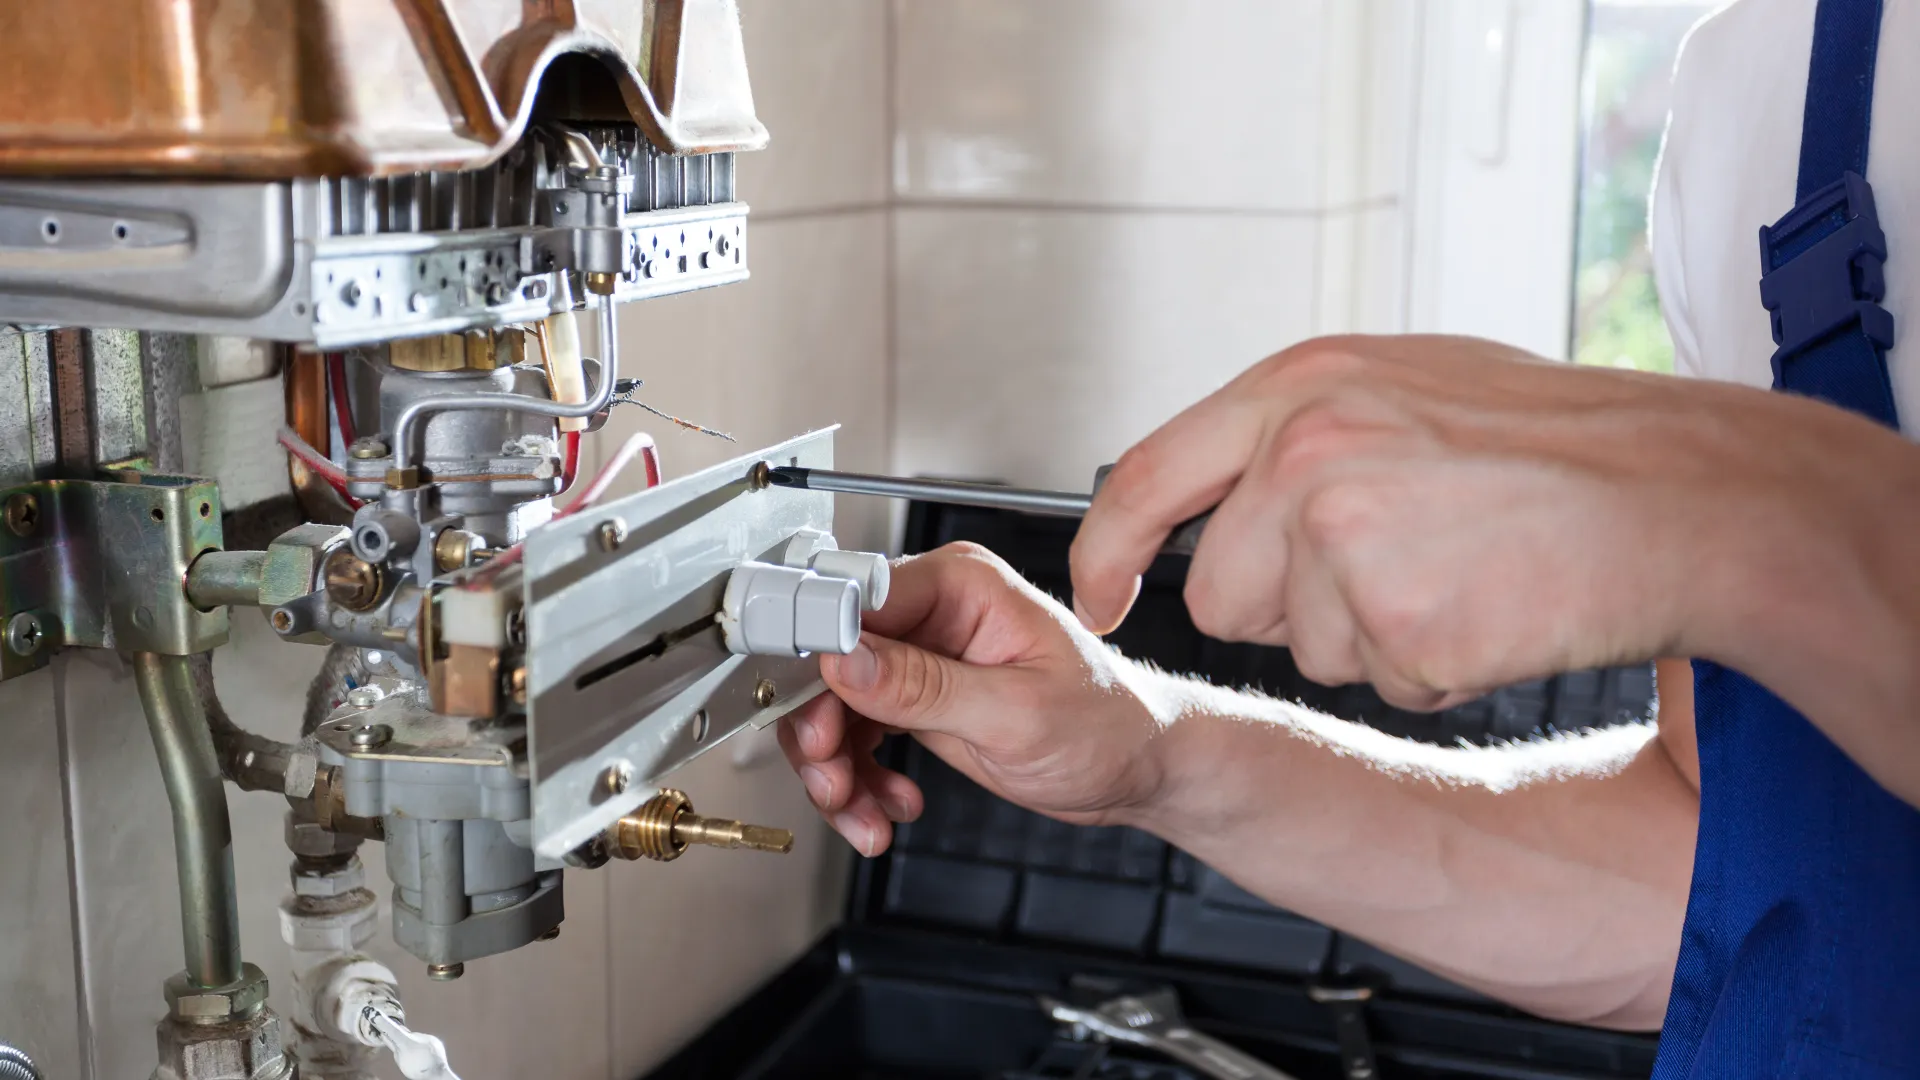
[(365, 697), (25, 634), (369, 448), (616, 778), (612, 534), (22, 513), (765, 693), (371, 737)]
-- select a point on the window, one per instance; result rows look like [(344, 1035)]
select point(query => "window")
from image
[(1631, 46)]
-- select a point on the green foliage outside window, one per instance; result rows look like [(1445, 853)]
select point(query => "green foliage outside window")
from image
[(1630, 53)]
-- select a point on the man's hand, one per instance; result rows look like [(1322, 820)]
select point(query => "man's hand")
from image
[(1444, 516), (993, 676)]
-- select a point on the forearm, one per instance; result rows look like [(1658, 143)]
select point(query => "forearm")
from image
[(1552, 875), (1816, 591)]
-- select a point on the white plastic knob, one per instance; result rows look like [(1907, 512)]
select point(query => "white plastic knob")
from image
[(869, 571), (780, 611)]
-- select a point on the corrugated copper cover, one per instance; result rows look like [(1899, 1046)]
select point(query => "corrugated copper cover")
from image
[(284, 88)]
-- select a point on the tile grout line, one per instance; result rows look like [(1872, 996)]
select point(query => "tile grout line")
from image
[(890, 258), (894, 203), (76, 908)]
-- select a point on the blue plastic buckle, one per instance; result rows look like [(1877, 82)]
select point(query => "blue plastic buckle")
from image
[(1823, 270)]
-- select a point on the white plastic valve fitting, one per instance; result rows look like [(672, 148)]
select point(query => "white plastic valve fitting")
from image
[(811, 549), (869, 571), (782, 611)]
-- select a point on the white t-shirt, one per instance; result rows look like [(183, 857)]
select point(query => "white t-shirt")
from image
[(1731, 159)]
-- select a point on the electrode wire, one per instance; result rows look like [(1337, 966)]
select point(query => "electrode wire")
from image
[(342, 401), (640, 445), (321, 466)]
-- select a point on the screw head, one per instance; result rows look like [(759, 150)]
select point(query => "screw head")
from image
[(616, 778), (25, 634), (365, 697), (612, 533), (350, 292), (760, 477), (368, 448), (371, 737), (22, 513), (765, 693)]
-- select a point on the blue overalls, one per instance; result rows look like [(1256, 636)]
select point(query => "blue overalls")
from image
[(1800, 956)]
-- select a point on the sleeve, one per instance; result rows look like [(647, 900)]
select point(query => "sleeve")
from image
[(1666, 217)]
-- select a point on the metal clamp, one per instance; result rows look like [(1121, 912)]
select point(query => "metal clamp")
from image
[(103, 564)]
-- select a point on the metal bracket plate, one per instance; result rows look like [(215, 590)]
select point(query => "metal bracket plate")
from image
[(249, 260), (619, 672), (101, 564)]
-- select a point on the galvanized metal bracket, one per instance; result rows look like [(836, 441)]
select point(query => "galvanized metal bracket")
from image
[(102, 564), (626, 673)]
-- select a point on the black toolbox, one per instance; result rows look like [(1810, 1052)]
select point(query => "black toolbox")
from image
[(981, 907)]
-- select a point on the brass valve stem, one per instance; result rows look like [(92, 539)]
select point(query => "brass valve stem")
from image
[(665, 826)]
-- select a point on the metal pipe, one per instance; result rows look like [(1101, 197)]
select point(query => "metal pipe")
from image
[(202, 835), (410, 417), (226, 579), (954, 492)]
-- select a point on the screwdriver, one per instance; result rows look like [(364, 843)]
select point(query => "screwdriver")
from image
[(961, 493)]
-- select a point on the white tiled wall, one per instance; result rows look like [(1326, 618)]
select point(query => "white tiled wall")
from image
[(999, 238)]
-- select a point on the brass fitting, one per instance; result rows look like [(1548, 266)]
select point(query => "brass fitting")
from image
[(601, 283), (665, 826), (351, 581), (454, 548)]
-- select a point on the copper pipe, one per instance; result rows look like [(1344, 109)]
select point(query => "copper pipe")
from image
[(307, 416)]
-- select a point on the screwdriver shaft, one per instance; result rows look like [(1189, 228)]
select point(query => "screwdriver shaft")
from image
[(954, 492)]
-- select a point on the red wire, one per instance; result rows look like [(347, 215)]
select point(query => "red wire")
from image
[(569, 461), (342, 402), (321, 466)]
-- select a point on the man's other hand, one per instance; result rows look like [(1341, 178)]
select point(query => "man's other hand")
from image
[(1438, 516), (993, 676)]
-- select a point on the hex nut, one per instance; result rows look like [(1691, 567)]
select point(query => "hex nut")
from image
[(249, 1047), (337, 883), (294, 560), (308, 840), (234, 1001)]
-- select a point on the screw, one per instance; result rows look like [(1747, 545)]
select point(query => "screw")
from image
[(367, 449), (616, 778), (445, 972), (371, 737), (612, 534), (765, 693), (760, 477), (25, 635), (351, 293), (23, 513), (352, 582), (282, 620), (517, 685), (365, 697)]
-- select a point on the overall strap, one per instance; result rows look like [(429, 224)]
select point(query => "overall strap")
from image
[(1822, 276)]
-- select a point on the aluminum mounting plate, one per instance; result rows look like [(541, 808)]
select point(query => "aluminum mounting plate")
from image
[(622, 677)]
